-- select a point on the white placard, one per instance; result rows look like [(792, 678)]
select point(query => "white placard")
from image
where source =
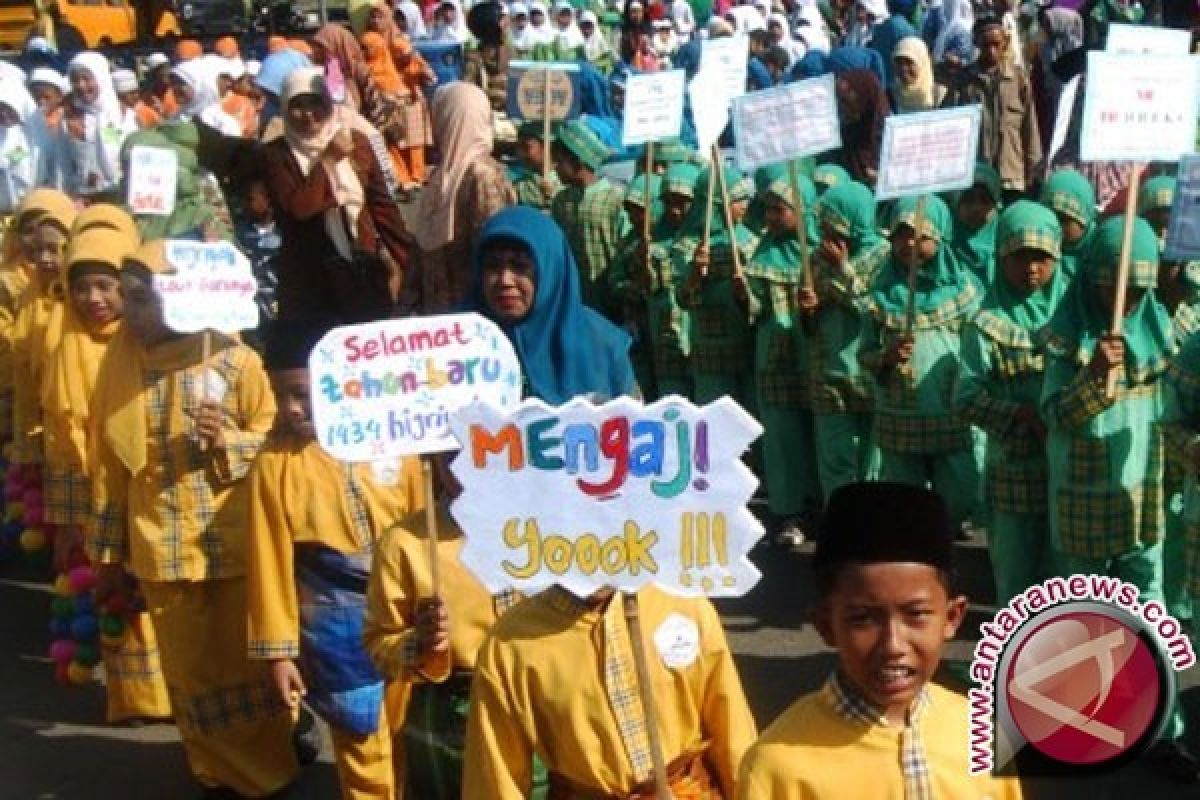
[(1139, 108), (793, 121), (153, 175), (388, 388), (710, 110), (211, 287), (729, 57), (1183, 231), (622, 495), (653, 107), (1147, 40), (934, 151)]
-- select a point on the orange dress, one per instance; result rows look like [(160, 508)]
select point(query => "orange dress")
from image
[(404, 88)]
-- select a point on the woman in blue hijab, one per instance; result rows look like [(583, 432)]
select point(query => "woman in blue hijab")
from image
[(527, 282)]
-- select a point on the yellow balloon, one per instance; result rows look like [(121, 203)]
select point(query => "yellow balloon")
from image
[(77, 673)]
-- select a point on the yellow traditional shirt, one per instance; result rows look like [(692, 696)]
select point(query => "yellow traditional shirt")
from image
[(816, 749), (183, 516), (301, 494), (542, 687), (400, 579), (34, 340)]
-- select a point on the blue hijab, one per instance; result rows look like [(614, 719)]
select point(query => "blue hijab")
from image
[(845, 59), (566, 349), (271, 75)]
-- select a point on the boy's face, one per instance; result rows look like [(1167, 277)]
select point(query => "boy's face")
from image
[(529, 150), (49, 98), (294, 414), (143, 307), (889, 623), (564, 165), (992, 44)]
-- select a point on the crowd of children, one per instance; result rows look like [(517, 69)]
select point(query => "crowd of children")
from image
[(938, 366)]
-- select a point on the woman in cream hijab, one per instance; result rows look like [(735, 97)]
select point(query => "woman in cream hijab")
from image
[(914, 88)]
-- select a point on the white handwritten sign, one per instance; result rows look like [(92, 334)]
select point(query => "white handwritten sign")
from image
[(153, 174), (388, 388), (211, 287), (933, 151), (728, 57), (653, 107), (1183, 230), (710, 110), (1147, 40), (622, 495), (1139, 108), (793, 121)]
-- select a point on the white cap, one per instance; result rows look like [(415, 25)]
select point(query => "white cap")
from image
[(156, 60), (51, 77), (519, 10), (124, 80)]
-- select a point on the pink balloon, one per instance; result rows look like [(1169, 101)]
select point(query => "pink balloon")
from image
[(62, 650)]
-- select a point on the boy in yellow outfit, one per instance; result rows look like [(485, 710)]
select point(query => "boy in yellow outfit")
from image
[(101, 238), (556, 679), (314, 523), (878, 728), (174, 438), (430, 642)]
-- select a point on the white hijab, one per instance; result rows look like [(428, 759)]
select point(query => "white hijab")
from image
[(201, 75), (569, 36), (99, 153), (959, 16), (745, 19), (795, 48), (544, 33), (413, 19), (18, 162), (594, 46), (457, 32)]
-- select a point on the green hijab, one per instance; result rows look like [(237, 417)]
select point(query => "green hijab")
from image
[(739, 188), (782, 189), (1080, 319), (680, 178), (1026, 225), (636, 194), (828, 176), (1157, 193), (1069, 193), (943, 285), (849, 208), (192, 212), (976, 248)]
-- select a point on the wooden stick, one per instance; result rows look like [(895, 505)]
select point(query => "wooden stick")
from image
[(431, 527), (1118, 312), (649, 202), (546, 124), (714, 165), (646, 690), (911, 313), (801, 228), (737, 260), (205, 391)]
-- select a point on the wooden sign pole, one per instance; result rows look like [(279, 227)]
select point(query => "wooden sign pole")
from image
[(431, 528), (737, 260), (1118, 311), (714, 167), (645, 689), (546, 124), (801, 228), (649, 201), (911, 313)]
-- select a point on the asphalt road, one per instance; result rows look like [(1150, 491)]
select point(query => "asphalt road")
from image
[(54, 745)]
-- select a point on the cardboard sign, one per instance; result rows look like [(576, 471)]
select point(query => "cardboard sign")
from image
[(793, 121), (622, 495), (728, 57), (653, 107), (212, 287), (386, 389), (1147, 40), (153, 174), (527, 90), (710, 110), (1183, 231), (934, 151), (1139, 108)]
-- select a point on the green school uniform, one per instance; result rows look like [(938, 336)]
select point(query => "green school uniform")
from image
[(1002, 369), (774, 274), (626, 280), (722, 357), (528, 185), (841, 393), (921, 440), (594, 221), (1106, 456), (975, 247)]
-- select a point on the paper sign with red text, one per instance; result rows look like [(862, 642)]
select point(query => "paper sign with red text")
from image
[(153, 175), (622, 494), (386, 389), (211, 286)]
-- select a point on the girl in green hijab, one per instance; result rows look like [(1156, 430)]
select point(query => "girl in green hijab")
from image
[(921, 440), (975, 213), (850, 254), (722, 337), (1073, 200), (642, 197), (827, 176), (1105, 455), (999, 386), (774, 275)]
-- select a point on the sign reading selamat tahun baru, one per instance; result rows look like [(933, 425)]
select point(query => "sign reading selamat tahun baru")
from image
[(621, 494), (386, 389)]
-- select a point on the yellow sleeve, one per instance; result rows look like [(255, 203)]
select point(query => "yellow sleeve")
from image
[(26, 408), (107, 532), (273, 616), (498, 754), (256, 407), (725, 714), (388, 634)]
